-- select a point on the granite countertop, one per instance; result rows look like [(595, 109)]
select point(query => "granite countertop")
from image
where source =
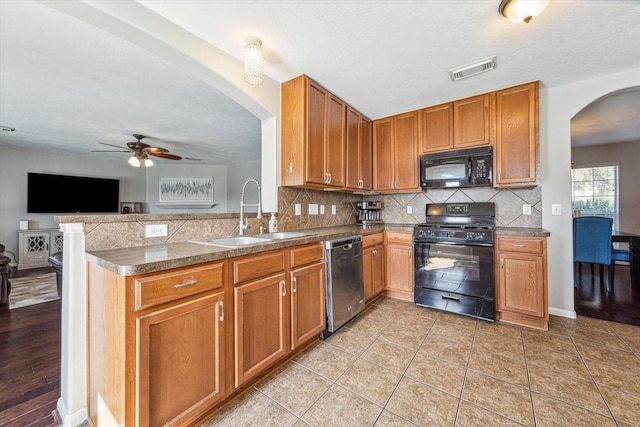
[(154, 258), (521, 231)]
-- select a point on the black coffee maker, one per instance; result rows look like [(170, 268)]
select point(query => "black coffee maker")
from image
[(368, 213)]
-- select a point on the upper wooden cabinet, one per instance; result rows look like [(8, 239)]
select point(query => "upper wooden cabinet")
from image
[(359, 175), (395, 152), (516, 155), (464, 123), (313, 135), (436, 128), (473, 124)]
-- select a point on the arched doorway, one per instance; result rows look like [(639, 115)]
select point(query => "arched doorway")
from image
[(605, 143)]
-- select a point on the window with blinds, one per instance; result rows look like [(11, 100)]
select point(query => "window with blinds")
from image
[(594, 191)]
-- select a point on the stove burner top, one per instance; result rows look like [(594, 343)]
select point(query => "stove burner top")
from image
[(461, 223)]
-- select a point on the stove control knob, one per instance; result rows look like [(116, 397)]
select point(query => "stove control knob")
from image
[(471, 235)]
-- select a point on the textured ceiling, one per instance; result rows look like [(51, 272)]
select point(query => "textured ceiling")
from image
[(66, 85)]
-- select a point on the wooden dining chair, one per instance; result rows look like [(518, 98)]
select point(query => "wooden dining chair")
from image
[(592, 243)]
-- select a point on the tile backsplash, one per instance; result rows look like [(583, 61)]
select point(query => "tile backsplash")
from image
[(106, 234)]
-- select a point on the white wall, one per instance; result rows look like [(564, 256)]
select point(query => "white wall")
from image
[(15, 163), (227, 185), (558, 105), (627, 156), (236, 177)]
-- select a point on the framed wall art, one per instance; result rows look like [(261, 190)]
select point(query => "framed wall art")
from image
[(186, 191)]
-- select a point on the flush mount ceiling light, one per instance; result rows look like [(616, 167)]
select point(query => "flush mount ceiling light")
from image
[(520, 11), (474, 68), (253, 61)]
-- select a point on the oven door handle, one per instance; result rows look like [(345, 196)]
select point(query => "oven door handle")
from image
[(451, 297), (487, 245)]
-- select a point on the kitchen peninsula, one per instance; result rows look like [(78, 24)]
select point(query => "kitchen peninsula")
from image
[(190, 308)]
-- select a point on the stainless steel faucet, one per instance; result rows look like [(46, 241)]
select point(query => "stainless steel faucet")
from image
[(244, 222)]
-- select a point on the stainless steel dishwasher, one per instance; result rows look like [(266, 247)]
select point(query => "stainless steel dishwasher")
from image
[(344, 284)]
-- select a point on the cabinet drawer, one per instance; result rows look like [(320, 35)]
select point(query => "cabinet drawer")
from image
[(160, 288), (258, 266), (529, 245), (306, 255), (372, 239), (399, 237)]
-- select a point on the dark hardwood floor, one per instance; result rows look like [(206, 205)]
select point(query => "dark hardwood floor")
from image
[(29, 361), (592, 300)]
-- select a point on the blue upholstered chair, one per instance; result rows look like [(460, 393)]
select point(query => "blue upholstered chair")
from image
[(592, 243)]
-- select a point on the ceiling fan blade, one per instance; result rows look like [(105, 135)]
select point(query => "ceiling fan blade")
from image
[(154, 150), (110, 145), (110, 151), (165, 156)]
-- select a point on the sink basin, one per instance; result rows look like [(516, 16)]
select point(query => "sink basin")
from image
[(287, 235), (234, 242)]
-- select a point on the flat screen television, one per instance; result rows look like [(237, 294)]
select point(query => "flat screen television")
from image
[(48, 193)]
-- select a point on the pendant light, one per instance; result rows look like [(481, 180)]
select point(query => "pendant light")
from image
[(253, 61)]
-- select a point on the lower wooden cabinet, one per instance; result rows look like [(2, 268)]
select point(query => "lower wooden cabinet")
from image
[(308, 316), (373, 262), (276, 314), (399, 265), (166, 347), (521, 277), (179, 361), (157, 345)]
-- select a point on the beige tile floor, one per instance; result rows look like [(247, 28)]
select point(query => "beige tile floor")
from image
[(402, 365)]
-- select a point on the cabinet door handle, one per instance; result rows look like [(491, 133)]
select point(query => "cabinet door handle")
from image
[(284, 288), (185, 284), (410, 252), (329, 178), (294, 287), (374, 253), (222, 311), (290, 170), (519, 246)]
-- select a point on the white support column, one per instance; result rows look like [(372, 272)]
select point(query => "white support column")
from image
[(72, 404)]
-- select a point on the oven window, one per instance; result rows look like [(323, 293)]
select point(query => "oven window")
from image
[(457, 269), (457, 171)]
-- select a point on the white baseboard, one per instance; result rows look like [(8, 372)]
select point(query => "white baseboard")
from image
[(78, 418), (562, 313)]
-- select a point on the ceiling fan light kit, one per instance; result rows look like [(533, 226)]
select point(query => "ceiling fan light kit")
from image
[(520, 11)]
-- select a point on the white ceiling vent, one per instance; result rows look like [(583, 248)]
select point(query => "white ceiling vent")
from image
[(474, 68)]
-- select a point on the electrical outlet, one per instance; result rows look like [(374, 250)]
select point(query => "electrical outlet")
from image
[(556, 209), (313, 209), (409, 209), (298, 209), (526, 209), (321, 209), (155, 230), (333, 209)]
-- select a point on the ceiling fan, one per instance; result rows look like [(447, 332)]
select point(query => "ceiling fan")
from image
[(142, 151)]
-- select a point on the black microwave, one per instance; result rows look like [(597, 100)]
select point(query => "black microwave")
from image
[(471, 167)]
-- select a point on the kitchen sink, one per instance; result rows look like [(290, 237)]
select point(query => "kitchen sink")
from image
[(234, 242), (286, 235)]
